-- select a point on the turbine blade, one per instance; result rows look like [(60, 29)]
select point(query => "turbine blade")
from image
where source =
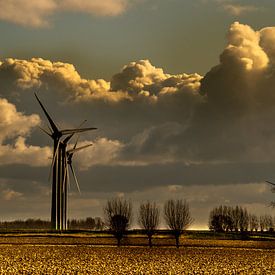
[(54, 127), (44, 131), (66, 140), (270, 182), (51, 131), (73, 131), (68, 177), (65, 175), (75, 179), (76, 142), (56, 151), (83, 122), (79, 148)]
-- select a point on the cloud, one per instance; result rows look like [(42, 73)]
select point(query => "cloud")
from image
[(142, 78), (9, 194), (14, 127), (123, 107), (234, 7), (146, 116), (137, 80), (219, 126), (95, 7), (267, 42), (14, 123), (139, 94), (27, 12), (21, 153), (155, 145), (103, 152), (237, 10), (44, 74), (243, 65), (37, 14)]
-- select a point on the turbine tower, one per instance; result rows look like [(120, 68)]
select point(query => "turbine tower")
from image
[(58, 167)]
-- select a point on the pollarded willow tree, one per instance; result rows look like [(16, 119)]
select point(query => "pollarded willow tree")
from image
[(118, 214), (177, 217), (148, 218)]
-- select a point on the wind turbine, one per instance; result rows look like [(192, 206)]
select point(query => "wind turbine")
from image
[(58, 165), (66, 181)]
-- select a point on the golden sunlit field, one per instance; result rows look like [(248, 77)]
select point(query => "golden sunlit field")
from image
[(51, 255)]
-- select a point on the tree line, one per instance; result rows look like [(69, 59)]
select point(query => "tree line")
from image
[(228, 219), (73, 224)]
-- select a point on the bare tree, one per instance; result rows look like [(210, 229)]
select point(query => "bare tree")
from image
[(118, 214), (244, 219), (263, 223), (149, 219), (273, 191), (253, 222), (177, 217), (266, 222), (236, 215), (220, 219)]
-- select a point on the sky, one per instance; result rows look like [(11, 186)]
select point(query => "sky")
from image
[(182, 94)]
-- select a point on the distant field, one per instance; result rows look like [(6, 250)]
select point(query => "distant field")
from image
[(26, 254)]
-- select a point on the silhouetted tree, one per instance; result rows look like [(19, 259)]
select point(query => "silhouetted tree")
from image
[(221, 219), (253, 222), (99, 224), (262, 223), (228, 218), (244, 220), (118, 213), (266, 223), (177, 217), (149, 219), (88, 223), (269, 223), (236, 216), (273, 191)]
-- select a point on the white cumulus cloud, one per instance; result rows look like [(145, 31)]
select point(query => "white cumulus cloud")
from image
[(15, 126), (37, 14)]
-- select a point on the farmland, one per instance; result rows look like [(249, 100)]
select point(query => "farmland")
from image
[(86, 255)]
